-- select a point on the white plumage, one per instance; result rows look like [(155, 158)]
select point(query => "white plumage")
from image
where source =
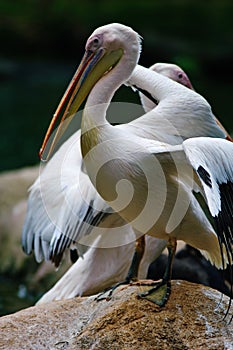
[(152, 126), (82, 278), (56, 195), (139, 161)]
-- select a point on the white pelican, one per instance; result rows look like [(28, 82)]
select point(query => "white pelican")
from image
[(175, 73), (151, 183), (48, 237), (89, 275), (39, 230)]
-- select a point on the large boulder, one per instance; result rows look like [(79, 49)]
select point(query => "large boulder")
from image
[(192, 319)]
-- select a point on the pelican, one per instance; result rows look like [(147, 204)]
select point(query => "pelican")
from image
[(50, 237), (151, 183), (82, 278), (43, 236), (89, 275), (175, 73), (38, 235)]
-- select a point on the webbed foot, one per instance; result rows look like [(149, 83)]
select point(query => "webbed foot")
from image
[(108, 292), (132, 273), (158, 294), (161, 291)]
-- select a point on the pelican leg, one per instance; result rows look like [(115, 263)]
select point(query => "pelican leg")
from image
[(160, 293), (138, 255), (132, 275)]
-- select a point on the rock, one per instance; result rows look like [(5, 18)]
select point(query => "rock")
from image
[(191, 319), (18, 271)]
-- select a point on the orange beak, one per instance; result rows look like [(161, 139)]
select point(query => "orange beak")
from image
[(64, 105)]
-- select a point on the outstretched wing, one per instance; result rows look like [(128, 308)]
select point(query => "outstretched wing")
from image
[(212, 160)]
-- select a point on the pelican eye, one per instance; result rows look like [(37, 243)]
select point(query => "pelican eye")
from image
[(95, 43), (180, 75)]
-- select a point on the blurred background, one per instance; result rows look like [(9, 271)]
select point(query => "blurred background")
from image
[(42, 42)]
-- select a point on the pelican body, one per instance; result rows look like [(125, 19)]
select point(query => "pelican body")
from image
[(89, 274), (151, 183)]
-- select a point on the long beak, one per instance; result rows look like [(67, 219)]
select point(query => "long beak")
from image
[(92, 67)]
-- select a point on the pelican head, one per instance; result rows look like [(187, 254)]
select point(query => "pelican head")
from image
[(173, 72), (104, 49)]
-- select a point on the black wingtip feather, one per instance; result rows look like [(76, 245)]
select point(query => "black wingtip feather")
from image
[(64, 241), (74, 255), (224, 229)]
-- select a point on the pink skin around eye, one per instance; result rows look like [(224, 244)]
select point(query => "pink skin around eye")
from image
[(94, 42), (183, 79)]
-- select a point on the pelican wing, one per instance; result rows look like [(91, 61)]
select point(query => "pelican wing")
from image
[(63, 205), (212, 160)]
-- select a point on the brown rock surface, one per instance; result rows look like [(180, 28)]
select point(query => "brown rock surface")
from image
[(190, 320)]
